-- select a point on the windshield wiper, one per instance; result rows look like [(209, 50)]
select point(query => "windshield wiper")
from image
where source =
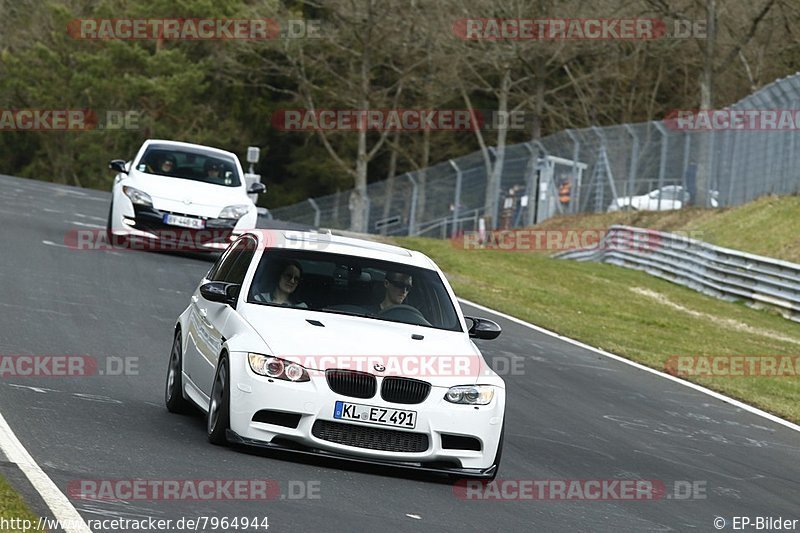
[(344, 312)]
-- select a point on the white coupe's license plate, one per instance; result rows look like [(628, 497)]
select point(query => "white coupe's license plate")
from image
[(375, 415), (184, 222)]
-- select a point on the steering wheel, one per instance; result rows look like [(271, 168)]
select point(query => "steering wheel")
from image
[(401, 311)]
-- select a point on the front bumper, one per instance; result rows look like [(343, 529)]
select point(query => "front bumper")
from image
[(147, 225), (475, 473), (314, 401)]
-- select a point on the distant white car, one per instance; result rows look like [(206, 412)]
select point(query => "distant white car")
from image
[(664, 199), (330, 371), (191, 195)]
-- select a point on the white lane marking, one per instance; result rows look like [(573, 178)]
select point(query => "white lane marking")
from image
[(51, 243), (35, 309), (414, 516), (717, 395), (69, 517), (95, 398), (86, 225), (48, 210), (173, 291), (79, 395), (34, 389), (81, 215)]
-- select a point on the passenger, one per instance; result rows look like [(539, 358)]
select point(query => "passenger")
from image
[(212, 170), (287, 283), (167, 164)]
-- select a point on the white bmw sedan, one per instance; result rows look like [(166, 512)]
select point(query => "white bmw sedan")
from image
[(340, 347), (180, 196)]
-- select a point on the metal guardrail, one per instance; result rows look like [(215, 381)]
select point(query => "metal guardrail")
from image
[(449, 225), (721, 272), (596, 166)]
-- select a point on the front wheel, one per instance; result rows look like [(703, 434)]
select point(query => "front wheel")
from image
[(173, 391), (219, 407), (109, 233)]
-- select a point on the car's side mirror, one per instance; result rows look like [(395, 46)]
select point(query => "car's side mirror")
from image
[(221, 292), (117, 165), (257, 188), (483, 329)]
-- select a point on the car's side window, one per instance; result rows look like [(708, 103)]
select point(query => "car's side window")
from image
[(212, 274), (227, 264), (243, 252)]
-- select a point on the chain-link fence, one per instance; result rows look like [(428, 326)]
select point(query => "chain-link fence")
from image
[(653, 166)]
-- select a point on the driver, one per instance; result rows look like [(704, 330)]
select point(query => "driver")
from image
[(397, 286), (212, 170)]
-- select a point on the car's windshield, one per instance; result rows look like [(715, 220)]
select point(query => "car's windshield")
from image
[(352, 285), (188, 164)]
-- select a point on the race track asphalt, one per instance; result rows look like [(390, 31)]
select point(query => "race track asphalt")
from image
[(572, 413)]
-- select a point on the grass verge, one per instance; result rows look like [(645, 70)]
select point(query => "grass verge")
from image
[(13, 509), (768, 226), (626, 312)]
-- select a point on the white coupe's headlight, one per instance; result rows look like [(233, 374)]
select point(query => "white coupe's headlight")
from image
[(470, 394), (274, 367), (235, 211), (137, 197)]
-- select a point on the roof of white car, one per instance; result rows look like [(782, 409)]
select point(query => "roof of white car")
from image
[(180, 144), (337, 244)]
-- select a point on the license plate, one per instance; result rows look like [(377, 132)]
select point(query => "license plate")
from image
[(184, 222), (375, 415)]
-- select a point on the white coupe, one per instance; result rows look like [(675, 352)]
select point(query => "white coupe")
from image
[(342, 347), (666, 198), (177, 195)]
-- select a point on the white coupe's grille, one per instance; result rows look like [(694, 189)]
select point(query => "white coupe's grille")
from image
[(404, 390), (351, 383)]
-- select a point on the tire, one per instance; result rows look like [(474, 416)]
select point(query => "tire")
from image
[(219, 413), (173, 390), (109, 234)]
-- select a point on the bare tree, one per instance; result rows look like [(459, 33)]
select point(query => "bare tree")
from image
[(354, 65)]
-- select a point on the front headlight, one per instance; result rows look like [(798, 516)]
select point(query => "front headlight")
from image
[(137, 196), (470, 394), (235, 211), (274, 367)]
